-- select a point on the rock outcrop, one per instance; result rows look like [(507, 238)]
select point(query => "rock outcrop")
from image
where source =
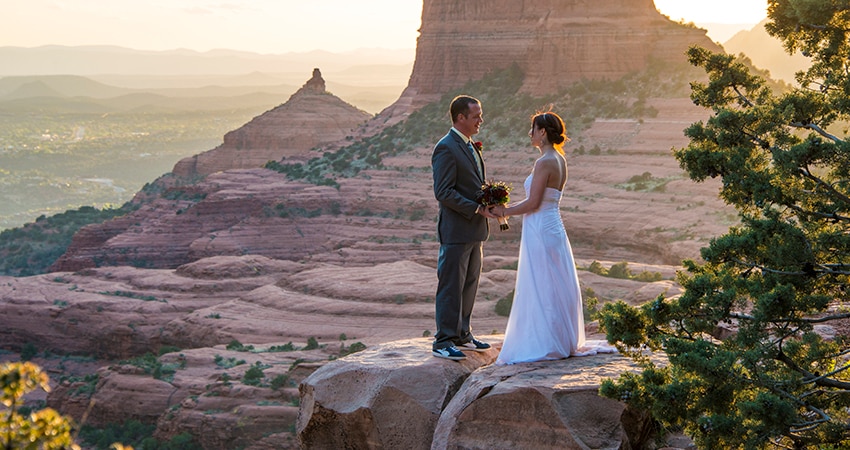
[(555, 42), (222, 397), (397, 395), (310, 118)]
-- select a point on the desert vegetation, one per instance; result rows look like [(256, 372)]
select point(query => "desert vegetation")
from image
[(757, 343)]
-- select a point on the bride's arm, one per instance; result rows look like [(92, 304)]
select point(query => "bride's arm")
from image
[(539, 180)]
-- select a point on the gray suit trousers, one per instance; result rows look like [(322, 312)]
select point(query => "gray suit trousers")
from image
[(458, 270)]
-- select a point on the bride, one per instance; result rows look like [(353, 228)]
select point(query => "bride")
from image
[(546, 320)]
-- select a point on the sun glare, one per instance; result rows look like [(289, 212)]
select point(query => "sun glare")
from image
[(714, 11)]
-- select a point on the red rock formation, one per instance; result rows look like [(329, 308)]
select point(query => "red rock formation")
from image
[(555, 42), (397, 396), (387, 215), (311, 117)]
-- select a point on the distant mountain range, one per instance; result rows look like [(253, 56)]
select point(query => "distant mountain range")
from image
[(99, 60), (766, 52), (107, 79), (77, 94)]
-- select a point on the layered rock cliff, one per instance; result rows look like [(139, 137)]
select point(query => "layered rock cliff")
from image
[(555, 42), (310, 118)]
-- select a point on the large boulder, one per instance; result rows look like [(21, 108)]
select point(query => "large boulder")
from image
[(396, 395), (542, 405), (389, 396)]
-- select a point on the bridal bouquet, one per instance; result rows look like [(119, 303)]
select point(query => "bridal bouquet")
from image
[(495, 193)]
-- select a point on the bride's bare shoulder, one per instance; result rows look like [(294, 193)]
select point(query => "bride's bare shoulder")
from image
[(547, 162)]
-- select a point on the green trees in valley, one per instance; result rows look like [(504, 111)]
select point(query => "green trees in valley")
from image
[(758, 342)]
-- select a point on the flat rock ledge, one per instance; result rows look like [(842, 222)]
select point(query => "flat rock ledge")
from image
[(396, 395)]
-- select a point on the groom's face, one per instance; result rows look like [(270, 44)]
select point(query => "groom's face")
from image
[(470, 123)]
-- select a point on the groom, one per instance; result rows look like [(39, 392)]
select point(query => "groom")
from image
[(462, 227)]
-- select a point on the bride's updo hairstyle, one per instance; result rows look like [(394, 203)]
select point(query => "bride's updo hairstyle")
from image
[(555, 130)]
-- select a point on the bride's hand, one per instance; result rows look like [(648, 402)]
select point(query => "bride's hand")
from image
[(498, 210)]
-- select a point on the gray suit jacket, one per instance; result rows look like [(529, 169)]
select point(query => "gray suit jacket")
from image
[(456, 181)]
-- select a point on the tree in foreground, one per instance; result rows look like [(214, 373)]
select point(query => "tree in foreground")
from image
[(44, 429), (758, 342)]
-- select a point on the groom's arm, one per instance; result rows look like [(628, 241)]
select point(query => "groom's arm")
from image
[(444, 167)]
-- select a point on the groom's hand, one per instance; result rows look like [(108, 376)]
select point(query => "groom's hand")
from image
[(498, 211), (486, 212)]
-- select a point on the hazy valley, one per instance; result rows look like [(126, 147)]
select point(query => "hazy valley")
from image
[(71, 140)]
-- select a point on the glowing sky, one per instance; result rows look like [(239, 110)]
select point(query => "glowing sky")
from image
[(714, 11), (265, 26)]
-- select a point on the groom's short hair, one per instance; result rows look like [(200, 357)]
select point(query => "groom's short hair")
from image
[(460, 105)]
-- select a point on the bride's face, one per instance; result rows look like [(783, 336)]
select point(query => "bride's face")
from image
[(536, 135)]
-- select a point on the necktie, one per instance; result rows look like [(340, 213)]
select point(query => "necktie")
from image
[(477, 159)]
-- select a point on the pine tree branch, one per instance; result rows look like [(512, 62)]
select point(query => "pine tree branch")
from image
[(767, 269), (830, 216), (810, 320), (841, 196), (809, 377), (742, 98), (826, 269), (816, 128)]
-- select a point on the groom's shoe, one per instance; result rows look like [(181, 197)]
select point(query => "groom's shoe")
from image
[(475, 345), (449, 353)]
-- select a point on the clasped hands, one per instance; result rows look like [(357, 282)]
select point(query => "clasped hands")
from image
[(493, 211)]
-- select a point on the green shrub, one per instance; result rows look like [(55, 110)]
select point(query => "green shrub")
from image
[(590, 305), (237, 346), (288, 347), (279, 381), (597, 268), (503, 305), (648, 277), (353, 348), (167, 349), (227, 363), (254, 375), (135, 434), (312, 344), (29, 351), (620, 270)]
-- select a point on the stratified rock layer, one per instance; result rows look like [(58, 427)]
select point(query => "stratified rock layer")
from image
[(555, 42)]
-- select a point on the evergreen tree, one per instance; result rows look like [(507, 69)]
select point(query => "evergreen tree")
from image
[(752, 361)]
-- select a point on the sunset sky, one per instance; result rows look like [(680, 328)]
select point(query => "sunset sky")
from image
[(268, 26)]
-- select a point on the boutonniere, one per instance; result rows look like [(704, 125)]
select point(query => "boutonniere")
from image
[(478, 145)]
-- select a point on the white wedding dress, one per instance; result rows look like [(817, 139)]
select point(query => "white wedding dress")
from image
[(546, 320)]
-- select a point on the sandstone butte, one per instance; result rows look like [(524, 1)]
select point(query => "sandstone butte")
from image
[(223, 251), (308, 124)]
